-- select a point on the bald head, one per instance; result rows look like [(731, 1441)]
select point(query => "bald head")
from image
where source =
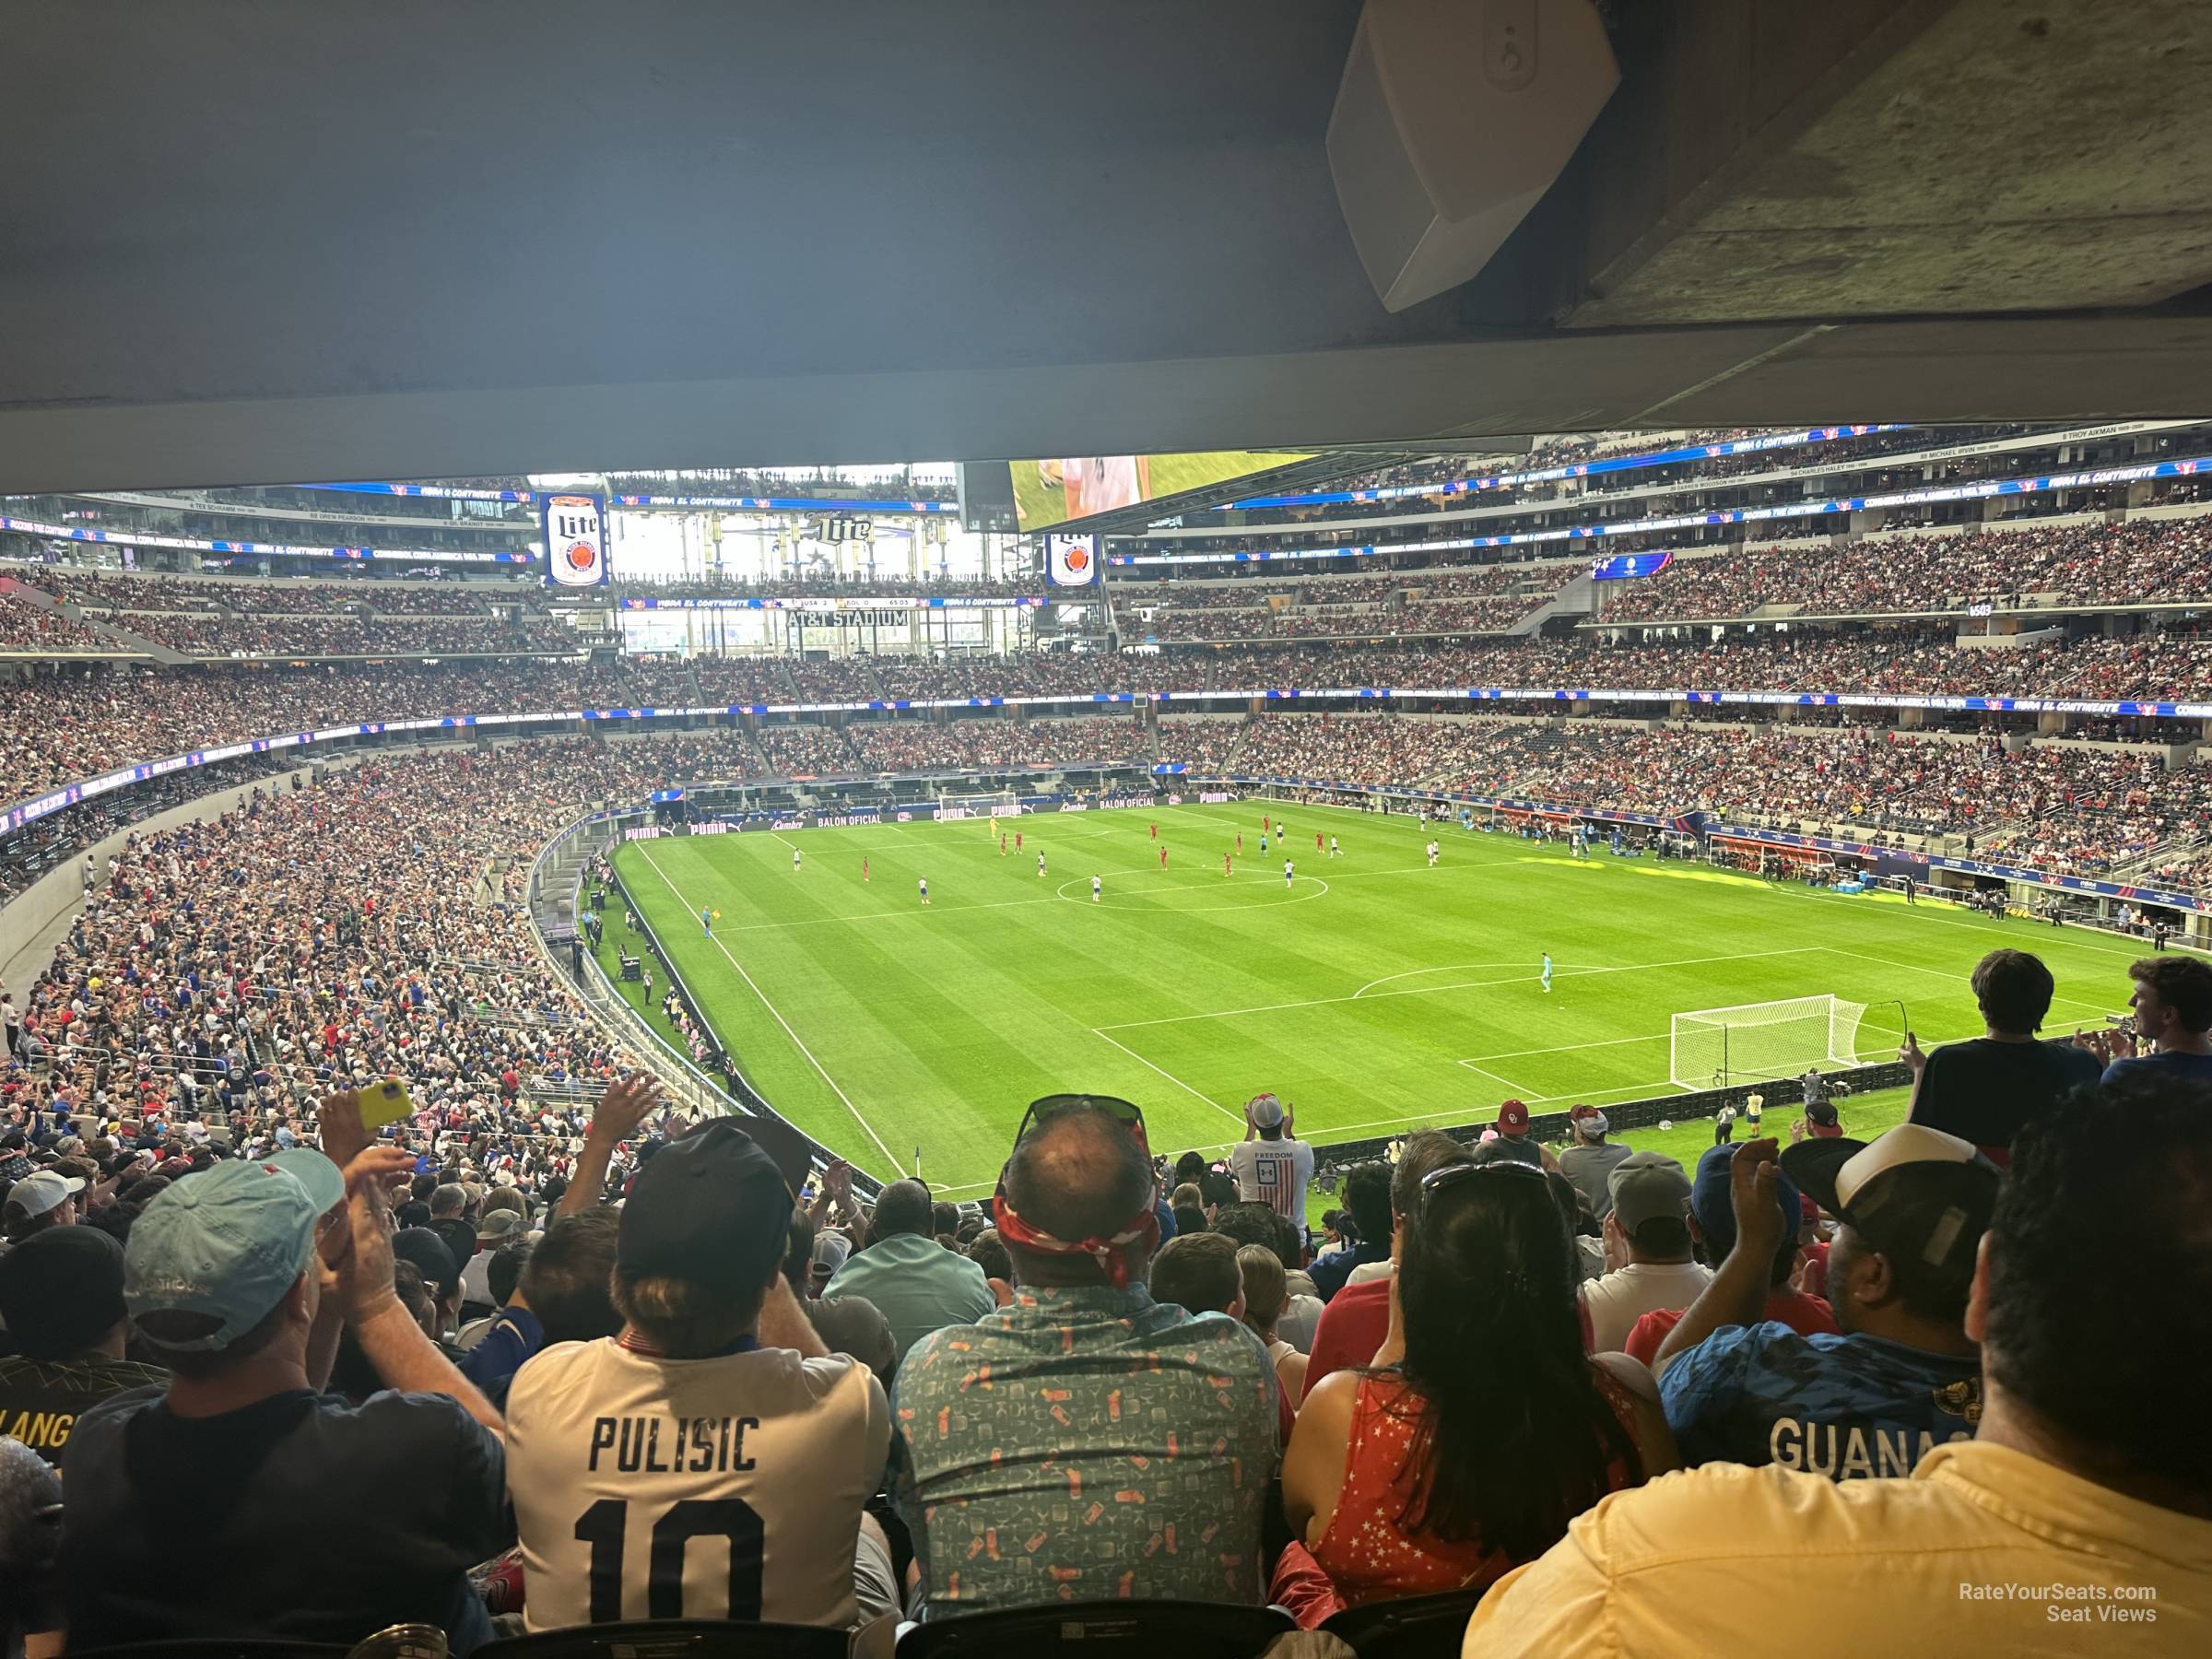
[(1079, 1175)]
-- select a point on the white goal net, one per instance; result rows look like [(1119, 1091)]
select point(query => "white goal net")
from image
[(992, 804), (1711, 1048)]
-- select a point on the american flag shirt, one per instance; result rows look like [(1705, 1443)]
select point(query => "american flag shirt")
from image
[(1086, 1443)]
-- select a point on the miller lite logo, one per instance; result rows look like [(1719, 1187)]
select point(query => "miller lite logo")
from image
[(575, 541)]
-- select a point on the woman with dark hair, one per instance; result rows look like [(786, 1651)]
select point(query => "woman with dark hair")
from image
[(1472, 1451)]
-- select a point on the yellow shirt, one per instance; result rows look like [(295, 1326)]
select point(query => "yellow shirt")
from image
[(1982, 1550)]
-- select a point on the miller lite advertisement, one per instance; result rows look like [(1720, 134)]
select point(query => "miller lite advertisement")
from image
[(575, 540), (1071, 561)]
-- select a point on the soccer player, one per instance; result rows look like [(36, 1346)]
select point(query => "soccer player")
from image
[(1225, 867), (1041, 866), (706, 922), (1289, 872), (1155, 832), (1547, 973), (794, 861), (1432, 854), (1262, 844), (1002, 843), (864, 866), (1016, 841), (1316, 840), (1334, 849), (1163, 858), (924, 884), (1264, 824), (1095, 885), (1240, 840)]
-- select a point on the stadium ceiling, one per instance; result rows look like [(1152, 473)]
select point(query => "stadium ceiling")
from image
[(248, 242)]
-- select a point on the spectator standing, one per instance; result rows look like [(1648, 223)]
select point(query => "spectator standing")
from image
[(1647, 1240), (1398, 1478), (1123, 1449), (2062, 1485), (1902, 1377), (915, 1282), (1274, 1167), (1588, 1160), (1985, 1090), (712, 1461), (61, 1300), (2173, 1002), (221, 1281)]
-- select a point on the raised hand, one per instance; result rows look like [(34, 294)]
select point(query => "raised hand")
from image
[(623, 1107)]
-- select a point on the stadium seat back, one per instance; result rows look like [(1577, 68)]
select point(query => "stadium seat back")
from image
[(674, 1638), (1115, 1629), (1416, 1627)]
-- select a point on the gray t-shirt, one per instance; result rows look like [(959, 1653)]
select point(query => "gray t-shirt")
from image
[(1589, 1169)]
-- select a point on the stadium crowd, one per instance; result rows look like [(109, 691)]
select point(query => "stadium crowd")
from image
[(1883, 1367), (2141, 562)]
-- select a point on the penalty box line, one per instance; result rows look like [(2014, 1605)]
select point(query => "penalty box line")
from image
[(1363, 995)]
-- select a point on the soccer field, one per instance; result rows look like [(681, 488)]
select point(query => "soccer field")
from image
[(1371, 992)]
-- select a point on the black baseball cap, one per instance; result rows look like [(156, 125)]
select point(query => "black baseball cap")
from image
[(712, 1206), (430, 1254), (61, 1290), (1919, 1197)]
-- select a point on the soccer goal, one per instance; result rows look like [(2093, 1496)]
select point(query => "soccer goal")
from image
[(1000, 803), (1710, 1048)]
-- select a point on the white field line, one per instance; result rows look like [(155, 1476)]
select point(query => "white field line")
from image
[(1445, 968), (1571, 1048), (1949, 975), (891, 1159), (1235, 1117), (1528, 978), (1510, 1087)]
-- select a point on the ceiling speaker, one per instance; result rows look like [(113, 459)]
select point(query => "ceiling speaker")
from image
[(1452, 119)]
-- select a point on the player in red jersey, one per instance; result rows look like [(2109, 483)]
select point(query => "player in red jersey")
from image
[(1163, 858), (863, 868), (1156, 832), (1316, 840), (1225, 857)]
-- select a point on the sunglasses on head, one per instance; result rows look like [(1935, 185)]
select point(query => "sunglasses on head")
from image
[(1044, 1108), (1452, 1174)]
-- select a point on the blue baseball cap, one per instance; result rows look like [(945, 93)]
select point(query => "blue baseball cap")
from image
[(227, 1242), (1711, 1202)]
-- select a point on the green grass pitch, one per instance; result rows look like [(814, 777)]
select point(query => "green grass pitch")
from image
[(1371, 992)]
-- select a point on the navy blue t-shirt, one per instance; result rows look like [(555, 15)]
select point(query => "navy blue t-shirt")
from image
[(1847, 1406), (2170, 1067), (331, 1521)]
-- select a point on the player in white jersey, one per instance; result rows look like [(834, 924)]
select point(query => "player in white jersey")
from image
[(794, 859), (1095, 885), (1333, 847), (1289, 872), (712, 1461), (1432, 855), (924, 884), (1041, 866), (1272, 1166)]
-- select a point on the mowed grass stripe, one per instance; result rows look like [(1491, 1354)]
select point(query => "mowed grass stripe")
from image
[(940, 1025)]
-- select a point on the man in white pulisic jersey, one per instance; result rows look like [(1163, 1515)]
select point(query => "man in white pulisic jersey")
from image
[(713, 1459)]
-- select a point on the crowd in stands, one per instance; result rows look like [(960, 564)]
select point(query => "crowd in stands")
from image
[(117, 590), (34, 630), (1202, 742), (1883, 1366), (2140, 562), (797, 750)]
